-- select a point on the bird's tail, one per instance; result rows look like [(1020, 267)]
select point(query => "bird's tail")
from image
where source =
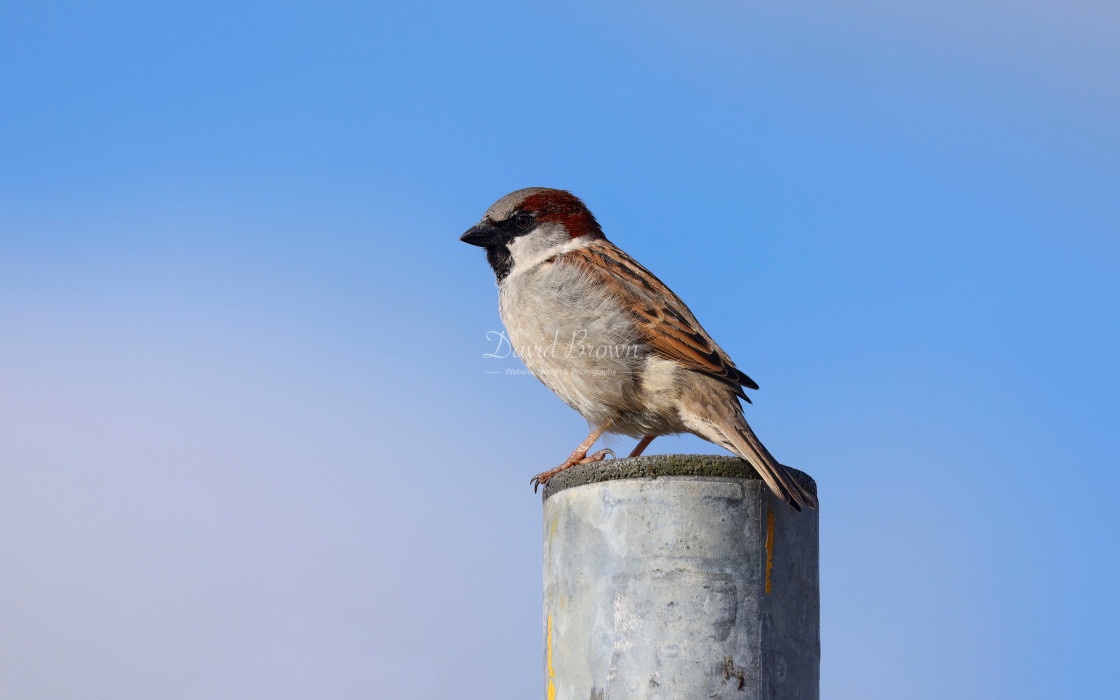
[(744, 443)]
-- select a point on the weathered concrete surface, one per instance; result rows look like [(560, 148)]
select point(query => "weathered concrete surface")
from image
[(698, 583)]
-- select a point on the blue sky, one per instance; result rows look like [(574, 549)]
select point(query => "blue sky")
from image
[(248, 444)]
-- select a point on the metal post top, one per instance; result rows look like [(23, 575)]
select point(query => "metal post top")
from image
[(658, 466)]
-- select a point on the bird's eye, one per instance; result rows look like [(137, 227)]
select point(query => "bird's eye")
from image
[(522, 221)]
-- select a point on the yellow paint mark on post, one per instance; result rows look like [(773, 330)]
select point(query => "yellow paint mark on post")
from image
[(769, 546), (551, 673)]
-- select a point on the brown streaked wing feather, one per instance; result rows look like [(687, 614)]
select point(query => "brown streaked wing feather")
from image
[(663, 320)]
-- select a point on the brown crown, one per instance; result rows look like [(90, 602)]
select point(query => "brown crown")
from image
[(563, 208)]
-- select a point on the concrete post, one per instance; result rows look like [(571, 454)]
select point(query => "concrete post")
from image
[(678, 576)]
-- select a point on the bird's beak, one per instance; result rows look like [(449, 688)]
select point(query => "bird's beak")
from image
[(483, 235)]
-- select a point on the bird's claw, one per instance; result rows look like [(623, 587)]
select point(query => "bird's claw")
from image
[(542, 478), (598, 456)]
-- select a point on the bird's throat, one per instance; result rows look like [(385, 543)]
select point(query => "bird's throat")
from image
[(501, 261)]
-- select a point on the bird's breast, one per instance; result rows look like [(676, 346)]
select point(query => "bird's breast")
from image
[(575, 337)]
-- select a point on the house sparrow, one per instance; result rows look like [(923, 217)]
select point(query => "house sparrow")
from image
[(611, 339)]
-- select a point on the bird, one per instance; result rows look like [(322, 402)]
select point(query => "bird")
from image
[(611, 339)]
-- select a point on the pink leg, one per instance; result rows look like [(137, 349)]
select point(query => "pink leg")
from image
[(578, 456), (642, 445)]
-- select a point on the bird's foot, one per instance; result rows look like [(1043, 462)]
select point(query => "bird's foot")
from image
[(542, 478)]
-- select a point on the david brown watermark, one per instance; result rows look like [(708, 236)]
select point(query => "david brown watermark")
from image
[(577, 346)]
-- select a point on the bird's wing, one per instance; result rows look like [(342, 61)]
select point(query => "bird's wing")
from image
[(662, 319)]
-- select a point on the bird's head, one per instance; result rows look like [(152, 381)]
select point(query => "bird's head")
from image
[(531, 225)]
